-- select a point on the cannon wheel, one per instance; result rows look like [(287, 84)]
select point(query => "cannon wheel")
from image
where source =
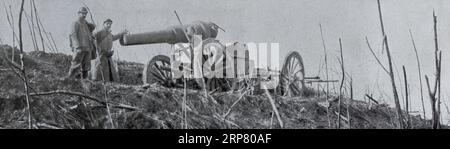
[(292, 77), (157, 70)]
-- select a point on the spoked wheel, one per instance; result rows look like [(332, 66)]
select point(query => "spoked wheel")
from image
[(158, 70), (292, 77)]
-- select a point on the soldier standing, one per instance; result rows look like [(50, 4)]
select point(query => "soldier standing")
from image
[(103, 67), (81, 42)]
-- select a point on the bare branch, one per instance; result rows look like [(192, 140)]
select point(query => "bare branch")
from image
[(407, 98), (376, 57), (64, 92), (372, 99), (326, 73), (234, 104), (274, 108), (342, 83), (420, 73)]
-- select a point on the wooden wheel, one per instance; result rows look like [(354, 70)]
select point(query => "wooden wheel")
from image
[(157, 70), (292, 77)]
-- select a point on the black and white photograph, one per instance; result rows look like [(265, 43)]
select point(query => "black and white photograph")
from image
[(224, 64)]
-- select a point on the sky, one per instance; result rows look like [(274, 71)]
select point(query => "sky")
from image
[(294, 24)]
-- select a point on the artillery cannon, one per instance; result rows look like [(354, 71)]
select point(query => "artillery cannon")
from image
[(172, 35), (163, 69)]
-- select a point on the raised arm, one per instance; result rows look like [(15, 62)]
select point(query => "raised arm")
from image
[(120, 35)]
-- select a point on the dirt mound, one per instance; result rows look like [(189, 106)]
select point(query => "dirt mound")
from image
[(155, 107)]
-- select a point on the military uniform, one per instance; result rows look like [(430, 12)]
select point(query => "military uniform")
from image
[(104, 62), (81, 42)]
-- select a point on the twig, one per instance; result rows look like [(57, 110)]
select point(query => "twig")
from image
[(11, 25), (31, 27), (227, 121), (399, 77), (376, 57), (47, 126), (12, 68), (37, 23), (68, 93), (381, 18), (372, 99), (14, 35), (349, 103), (407, 98), (51, 45), (420, 73), (438, 79), (56, 48), (439, 87), (11, 63), (184, 104), (272, 102), (342, 83), (32, 30), (340, 116), (234, 104), (10, 19), (448, 111), (64, 92), (322, 81), (318, 74)]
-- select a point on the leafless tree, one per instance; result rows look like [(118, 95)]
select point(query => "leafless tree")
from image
[(391, 72), (435, 92), (326, 75), (27, 94)]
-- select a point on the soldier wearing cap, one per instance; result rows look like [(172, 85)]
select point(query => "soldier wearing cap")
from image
[(81, 42), (103, 65)]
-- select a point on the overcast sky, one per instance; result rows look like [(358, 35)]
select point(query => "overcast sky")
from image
[(292, 23)]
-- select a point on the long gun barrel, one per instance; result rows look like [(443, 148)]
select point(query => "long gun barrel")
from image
[(172, 35)]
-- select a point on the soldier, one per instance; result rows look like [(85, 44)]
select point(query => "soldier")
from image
[(103, 66), (81, 42)]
